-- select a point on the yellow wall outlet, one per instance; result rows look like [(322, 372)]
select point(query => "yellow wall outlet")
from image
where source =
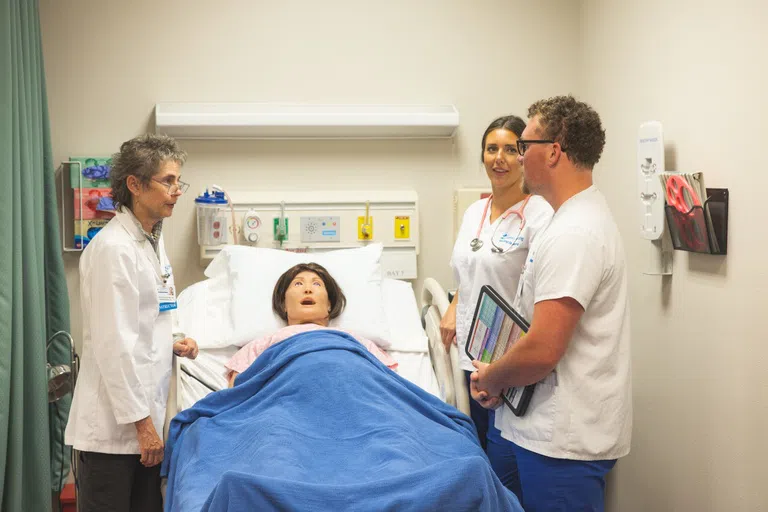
[(402, 227), (365, 231)]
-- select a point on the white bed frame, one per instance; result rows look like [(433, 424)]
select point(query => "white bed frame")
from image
[(450, 377)]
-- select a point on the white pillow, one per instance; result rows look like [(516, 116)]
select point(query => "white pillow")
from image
[(204, 312), (253, 272), (403, 317)]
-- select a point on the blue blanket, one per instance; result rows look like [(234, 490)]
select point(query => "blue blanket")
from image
[(318, 423)]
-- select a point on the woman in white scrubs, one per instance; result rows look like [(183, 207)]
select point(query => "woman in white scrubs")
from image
[(491, 248)]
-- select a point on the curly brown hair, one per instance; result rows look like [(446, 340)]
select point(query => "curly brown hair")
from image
[(335, 295), (573, 124)]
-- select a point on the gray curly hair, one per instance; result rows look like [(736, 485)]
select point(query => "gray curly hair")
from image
[(142, 157)]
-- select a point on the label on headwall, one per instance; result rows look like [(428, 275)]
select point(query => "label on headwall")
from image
[(398, 263)]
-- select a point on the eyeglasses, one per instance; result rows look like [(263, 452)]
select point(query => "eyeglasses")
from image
[(173, 187), (522, 144)]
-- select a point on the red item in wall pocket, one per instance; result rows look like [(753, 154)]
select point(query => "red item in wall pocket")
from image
[(91, 198)]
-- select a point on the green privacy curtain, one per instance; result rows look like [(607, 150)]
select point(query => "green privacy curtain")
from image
[(33, 294)]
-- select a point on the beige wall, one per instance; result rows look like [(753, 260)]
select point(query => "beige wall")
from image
[(700, 383), (108, 63), (699, 351)]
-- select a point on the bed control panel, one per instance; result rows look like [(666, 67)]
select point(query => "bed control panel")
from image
[(320, 229)]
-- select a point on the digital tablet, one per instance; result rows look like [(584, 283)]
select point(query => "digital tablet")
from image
[(495, 328)]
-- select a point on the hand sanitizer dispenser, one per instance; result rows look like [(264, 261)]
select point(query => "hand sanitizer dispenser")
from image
[(650, 162)]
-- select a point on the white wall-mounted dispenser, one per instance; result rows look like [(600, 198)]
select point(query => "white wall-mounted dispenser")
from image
[(650, 162)]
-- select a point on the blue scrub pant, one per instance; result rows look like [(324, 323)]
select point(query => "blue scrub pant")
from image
[(560, 485), (500, 452)]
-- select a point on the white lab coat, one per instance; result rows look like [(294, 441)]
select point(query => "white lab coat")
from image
[(127, 349)]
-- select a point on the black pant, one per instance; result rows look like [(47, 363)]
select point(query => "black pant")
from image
[(117, 483)]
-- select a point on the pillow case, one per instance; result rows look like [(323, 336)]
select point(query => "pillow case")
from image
[(403, 317), (253, 271), (204, 312)]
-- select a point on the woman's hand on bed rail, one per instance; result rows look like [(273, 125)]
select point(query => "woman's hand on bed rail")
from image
[(186, 348), (448, 325)]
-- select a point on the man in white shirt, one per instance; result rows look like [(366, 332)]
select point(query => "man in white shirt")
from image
[(573, 290)]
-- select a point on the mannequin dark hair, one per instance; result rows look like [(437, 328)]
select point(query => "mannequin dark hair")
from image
[(335, 296)]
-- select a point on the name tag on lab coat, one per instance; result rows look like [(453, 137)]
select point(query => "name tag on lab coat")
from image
[(510, 240), (166, 296)]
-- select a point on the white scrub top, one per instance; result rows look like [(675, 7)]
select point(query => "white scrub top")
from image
[(127, 348), (583, 409), (473, 269)]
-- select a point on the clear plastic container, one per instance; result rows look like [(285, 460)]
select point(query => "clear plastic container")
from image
[(211, 218)]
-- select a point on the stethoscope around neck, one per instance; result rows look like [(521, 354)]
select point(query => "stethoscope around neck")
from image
[(476, 244)]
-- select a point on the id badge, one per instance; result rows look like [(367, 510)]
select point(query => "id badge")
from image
[(510, 240), (166, 296), (166, 292)]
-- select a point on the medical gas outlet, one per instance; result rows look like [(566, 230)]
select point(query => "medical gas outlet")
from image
[(365, 227), (280, 235), (251, 224), (402, 227)]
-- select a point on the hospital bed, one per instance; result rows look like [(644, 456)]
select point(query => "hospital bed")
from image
[(420, 355), (317, 417), (418, 350)]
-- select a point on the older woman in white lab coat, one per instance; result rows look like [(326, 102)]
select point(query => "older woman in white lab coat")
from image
[(128, 297), (490, 249)]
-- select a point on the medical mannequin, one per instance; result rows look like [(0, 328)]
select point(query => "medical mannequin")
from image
[(573, 291), (128, 297), (490, 249), (306, 297)]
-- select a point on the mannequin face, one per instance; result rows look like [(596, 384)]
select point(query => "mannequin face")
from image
[(306, 300)]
